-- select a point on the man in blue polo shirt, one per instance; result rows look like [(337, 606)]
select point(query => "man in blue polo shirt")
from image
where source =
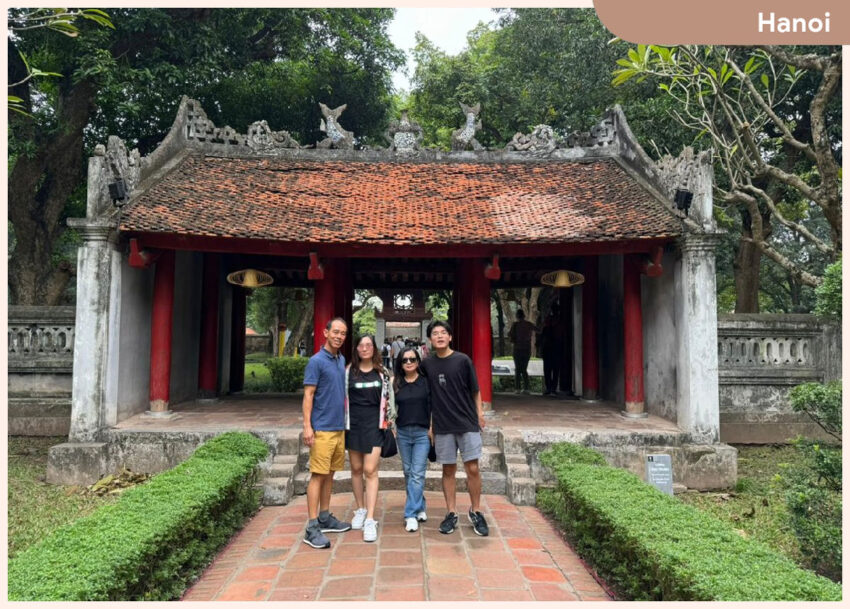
[(324, 431)]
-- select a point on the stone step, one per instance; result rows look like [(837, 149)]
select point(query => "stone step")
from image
[(491, 482), (285, 458), (281, 470), (516, 458), (277, 491), (518, 470), (289, 442), (521, 491)]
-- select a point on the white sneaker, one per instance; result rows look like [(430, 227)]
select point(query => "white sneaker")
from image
[(358, 519), (422, 516), (411, 525), (370, 530)]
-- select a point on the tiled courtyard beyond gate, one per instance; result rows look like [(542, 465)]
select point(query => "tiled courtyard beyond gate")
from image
[(523, 559)]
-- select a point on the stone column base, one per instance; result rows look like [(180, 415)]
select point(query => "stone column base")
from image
[(81, 463)]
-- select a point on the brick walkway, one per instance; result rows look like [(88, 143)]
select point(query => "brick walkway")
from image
[(524, 558)]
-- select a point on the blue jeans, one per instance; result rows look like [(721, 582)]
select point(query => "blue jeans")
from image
[(413, 446)]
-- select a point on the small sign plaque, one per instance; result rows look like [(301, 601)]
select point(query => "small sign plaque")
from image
[(659, 472)]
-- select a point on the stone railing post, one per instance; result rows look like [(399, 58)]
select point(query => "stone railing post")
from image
[(698, 401)]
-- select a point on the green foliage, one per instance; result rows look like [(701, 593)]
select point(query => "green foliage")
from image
[(814, 482), (567, 454), (651, 546), (35, 507), (150, 543), (828, 293), (287, 373), (821, 403)]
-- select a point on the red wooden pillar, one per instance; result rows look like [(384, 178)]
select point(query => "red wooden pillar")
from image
[(237, 343), (161, 322), (323, 303), (633, 337), (343, 294), (589, 347), (208, 348), (476, 336)]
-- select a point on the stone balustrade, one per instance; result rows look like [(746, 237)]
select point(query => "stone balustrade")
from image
[(760, 358), (41, 361)]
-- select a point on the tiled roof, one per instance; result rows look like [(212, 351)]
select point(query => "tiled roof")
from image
[(401, 203)]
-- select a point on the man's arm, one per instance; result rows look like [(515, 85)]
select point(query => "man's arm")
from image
[(307, 410), (480, 407)]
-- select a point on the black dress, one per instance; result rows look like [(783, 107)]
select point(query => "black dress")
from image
[(364, 405)]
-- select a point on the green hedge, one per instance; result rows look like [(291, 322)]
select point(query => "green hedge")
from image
[(287, 372), (158, 536), (650, 546)]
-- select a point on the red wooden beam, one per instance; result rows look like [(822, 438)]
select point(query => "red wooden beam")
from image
[(632, 336), (390, 250)]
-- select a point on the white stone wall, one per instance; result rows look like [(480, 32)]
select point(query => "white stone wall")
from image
[(135, 341)]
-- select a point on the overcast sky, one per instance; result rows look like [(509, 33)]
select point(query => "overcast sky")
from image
[(445, 27)]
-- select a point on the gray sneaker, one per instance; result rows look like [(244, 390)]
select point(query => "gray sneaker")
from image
[(332, 525), (314, 538)]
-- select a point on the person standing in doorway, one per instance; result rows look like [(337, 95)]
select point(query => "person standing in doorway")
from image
[(387, 354), (371, 413), (398, 345), (457, 416), (520, 334), (324, 411), (551, 349)]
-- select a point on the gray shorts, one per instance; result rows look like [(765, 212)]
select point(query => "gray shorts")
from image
[(446, 446)]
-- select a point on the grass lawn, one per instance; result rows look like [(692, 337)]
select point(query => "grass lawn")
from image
[(36, 508), (756, 506), (257, 378)]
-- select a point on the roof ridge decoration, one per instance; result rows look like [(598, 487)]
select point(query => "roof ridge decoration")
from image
[(404, 135), (337, 136), (465, 136)]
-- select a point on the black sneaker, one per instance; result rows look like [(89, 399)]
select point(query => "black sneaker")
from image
[(332, 525), (449, 523), (479, 525)]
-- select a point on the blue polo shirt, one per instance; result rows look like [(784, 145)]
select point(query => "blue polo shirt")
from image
[(327, 373)]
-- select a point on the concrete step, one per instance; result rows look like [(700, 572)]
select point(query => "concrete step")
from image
[(289, 441), (281, 470), (491, 482)]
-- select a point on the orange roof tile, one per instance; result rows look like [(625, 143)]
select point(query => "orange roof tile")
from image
[(401, 203)]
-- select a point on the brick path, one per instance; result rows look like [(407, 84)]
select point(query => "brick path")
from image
[(524, 558)]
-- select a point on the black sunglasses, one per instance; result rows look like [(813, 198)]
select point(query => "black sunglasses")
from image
[(408, 360)]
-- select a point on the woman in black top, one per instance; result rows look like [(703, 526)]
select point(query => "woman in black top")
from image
[(371, 411), (413, 436)]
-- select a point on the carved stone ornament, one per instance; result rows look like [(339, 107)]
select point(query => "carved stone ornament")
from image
[(601, 134), (404, 135), (337, 136), (465, 136), (262, 139), (541, 140)]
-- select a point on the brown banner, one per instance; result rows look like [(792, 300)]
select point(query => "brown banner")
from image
[(731, 22)]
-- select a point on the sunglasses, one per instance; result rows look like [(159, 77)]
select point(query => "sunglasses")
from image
[(408, 360)]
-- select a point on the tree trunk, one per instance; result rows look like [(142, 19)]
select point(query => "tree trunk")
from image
[(747, 265), (37, 200), (298, 333), (500, 318)]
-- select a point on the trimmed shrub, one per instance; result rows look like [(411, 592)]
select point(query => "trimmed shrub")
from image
[(287, 373), (650, 546), (155, 539)]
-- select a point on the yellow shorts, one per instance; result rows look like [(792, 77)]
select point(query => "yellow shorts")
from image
[(328, 452)]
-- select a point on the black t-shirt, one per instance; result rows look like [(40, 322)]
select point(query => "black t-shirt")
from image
[(364, 389), (453, 384), (414, 403)]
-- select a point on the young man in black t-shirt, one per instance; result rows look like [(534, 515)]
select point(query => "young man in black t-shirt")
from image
[(457, 418)]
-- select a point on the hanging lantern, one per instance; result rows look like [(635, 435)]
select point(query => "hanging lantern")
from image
[(562, 279), (250, 278)]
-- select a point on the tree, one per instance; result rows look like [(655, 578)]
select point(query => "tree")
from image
[(770, 113), (128, 81)]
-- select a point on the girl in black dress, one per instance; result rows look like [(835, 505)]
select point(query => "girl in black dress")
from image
[(371, 413)]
